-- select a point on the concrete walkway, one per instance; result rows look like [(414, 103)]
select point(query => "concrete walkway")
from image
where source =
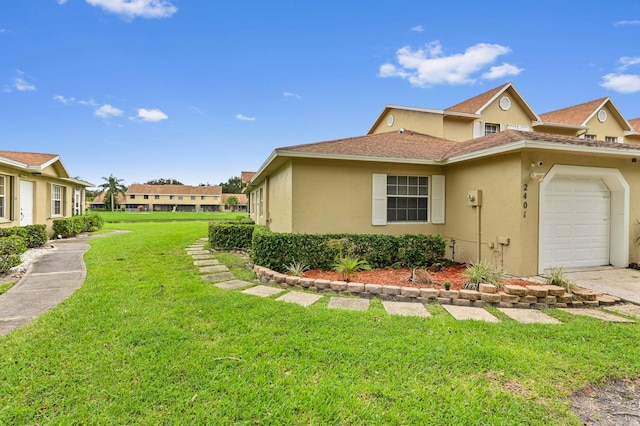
[(50, 279), (621, 282)]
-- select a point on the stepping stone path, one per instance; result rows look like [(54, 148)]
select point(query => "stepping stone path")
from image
[(469, 313), (529, 316), (593, 313), (214, 271), (406, 309), (263, 291), (348, 303), (304, 299)]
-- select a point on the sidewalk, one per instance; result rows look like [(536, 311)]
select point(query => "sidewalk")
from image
[(50, 279)]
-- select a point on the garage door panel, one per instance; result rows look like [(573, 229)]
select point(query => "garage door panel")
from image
[(576, 223)]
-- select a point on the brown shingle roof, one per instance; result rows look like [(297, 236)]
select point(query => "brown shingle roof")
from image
[(247, 176), (407, 145), (138, 188), (635, 123), (28, 158), (509, 136), (473, 105), (577, 114)]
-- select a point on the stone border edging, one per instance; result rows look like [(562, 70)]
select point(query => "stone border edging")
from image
[(536, 296)]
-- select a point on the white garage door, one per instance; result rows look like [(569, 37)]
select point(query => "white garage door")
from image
[(576, 222)]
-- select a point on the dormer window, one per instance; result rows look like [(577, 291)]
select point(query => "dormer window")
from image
[(590, 137), (490, 129), (611, 139)]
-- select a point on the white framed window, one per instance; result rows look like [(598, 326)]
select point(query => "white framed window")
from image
[(590, 137), (180, 197), (202, 197), (611, 139), (3, 197), (132, 197), (407, 199), (193, 197), (56, 200), (171, 197), (146, 197), (490, 128), (156, 197), (261, 202)]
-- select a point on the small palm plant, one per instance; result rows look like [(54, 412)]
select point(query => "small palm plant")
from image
[(479, 273), (348, 266), (297, 268)]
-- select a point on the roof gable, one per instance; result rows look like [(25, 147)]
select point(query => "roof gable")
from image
[(34, 162), (476, 104)]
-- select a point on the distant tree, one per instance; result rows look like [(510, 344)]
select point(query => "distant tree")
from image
[(232, 186), (111, 188), (232, 202), (162, 181)]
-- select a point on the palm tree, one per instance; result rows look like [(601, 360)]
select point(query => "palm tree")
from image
[(113, 187)]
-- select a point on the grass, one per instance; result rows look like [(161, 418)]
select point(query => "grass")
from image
[(5, 287), (147, 341), (126, 217)]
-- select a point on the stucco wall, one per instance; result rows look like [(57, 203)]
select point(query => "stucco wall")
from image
[(278, 202), (336, 196), (499, 180), (420, 122)]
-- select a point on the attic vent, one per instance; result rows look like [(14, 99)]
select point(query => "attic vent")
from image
[(602, 116), (390, 120), (505, 103)]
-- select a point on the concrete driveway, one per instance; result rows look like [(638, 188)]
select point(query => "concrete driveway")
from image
[(621, 282)]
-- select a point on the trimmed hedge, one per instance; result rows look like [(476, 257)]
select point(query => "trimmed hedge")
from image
[(72, 226), (11, 248), (230, 235), (277, 250), (33, 235)]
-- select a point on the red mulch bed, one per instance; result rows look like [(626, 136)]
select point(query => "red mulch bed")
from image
[(453, 273)]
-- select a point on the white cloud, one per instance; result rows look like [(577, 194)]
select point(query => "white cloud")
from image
[(501, 71), (20, 83), (291, 95), (3, 30), (63, 100), (90, 102), (62, 1), (131, 9), (627, 61), (196, 110), (244, 118), (631, 22), (622, 83), (429, 66), (151, 115), (417, 28), (106, 111)]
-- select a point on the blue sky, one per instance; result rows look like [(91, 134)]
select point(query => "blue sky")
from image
[(200, 90)]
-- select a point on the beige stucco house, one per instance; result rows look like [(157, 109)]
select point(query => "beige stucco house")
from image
[(36, 189), (482, 174), (180, 198)]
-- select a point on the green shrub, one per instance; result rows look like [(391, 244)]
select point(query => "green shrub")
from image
[(33, 235), (558, 277), (36, 235), (92, 222), (11, 248), (277, 250), (230, 235), (68, 227)]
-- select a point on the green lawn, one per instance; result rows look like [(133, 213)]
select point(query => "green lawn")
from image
[(147, 341), (120, 217)]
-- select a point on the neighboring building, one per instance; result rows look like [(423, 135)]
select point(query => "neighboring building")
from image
[(240, 207), (481, 174), (180, 198), (99, 204), (36, 189)]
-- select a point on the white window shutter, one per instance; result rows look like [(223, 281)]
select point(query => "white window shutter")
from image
[(379, 197), (478, 129), (501, 127), (437, 199)]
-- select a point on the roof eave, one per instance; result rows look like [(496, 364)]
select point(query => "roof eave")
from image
[(561, 125), (536, 144)]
